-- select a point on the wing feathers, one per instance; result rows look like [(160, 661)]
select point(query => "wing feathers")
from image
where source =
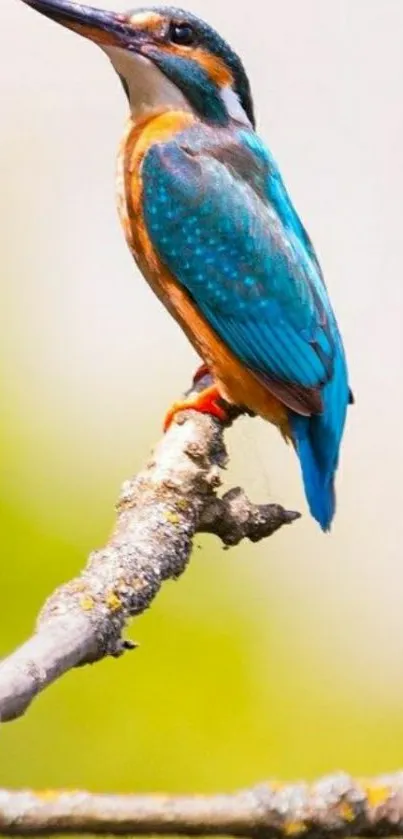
[(251, 277)]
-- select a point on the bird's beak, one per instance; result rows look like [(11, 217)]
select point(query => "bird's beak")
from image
[(102, 27)]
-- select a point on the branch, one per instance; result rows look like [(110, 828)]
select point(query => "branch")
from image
[(334, 806), (158, 514)]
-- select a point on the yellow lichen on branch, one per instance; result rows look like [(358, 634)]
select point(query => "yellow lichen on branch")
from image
[(336, 806)]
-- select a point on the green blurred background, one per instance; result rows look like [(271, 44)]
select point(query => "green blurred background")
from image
[(279, 660)]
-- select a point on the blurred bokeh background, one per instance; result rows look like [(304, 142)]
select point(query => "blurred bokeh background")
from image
[(279, 660)]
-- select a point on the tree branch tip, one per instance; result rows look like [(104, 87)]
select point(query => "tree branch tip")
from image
[(131, 645), (290, 516), (123, 646)]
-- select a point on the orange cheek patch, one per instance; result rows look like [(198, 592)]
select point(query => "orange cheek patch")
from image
[(214, 67), (216, 70)]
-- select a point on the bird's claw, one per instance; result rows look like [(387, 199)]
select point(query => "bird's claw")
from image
[(207, 401)]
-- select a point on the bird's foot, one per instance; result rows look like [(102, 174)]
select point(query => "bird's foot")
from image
[(206, 401)]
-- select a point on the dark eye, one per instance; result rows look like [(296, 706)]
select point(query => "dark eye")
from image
[(182, 34)]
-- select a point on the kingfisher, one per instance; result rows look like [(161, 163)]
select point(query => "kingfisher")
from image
[(213, 230)]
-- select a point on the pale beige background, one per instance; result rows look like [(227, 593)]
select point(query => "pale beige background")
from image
[(84, 345)]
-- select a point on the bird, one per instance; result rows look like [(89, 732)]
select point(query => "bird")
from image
[(214, 231)]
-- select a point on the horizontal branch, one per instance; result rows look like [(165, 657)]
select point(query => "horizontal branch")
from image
[(334, 806), (158, 514)]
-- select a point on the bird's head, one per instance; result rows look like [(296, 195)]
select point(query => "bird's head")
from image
[(165, 57)]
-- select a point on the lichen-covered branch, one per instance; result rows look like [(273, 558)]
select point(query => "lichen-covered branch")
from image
[(332, 807), (158, 514)]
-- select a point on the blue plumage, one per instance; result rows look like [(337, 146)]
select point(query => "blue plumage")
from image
[(199, 88), (317, 440), (220, 218)]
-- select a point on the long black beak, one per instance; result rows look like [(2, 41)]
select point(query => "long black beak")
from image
[(105, 28)]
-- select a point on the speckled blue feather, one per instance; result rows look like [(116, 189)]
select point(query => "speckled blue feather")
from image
[(220, 218)]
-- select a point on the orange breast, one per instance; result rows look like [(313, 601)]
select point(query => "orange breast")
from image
[(237, 384)]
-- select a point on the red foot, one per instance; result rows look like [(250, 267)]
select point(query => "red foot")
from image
[(208, 401)]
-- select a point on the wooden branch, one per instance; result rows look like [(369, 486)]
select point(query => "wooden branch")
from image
[(158, 514), (332, 807)]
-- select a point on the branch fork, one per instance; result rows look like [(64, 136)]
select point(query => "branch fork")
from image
[(158, 514)]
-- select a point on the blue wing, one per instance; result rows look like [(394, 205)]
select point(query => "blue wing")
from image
[(219, 217), (252, 276)]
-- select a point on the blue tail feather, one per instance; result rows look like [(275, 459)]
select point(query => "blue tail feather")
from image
[(317, 441)]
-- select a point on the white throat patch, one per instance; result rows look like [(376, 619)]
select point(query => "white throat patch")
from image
[(149, 90)]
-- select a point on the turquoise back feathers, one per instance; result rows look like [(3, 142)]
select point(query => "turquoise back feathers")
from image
[(220, 218)]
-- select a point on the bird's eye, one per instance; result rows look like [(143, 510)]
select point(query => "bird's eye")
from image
[(182, 34)]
